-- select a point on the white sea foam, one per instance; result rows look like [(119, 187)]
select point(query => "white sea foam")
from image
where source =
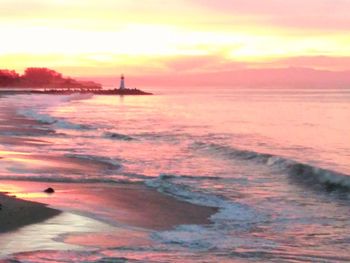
[(231, 212), (204, 238), (77, 96), (48, 119), (231, 217)]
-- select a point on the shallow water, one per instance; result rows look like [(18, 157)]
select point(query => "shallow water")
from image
[(275, 163)]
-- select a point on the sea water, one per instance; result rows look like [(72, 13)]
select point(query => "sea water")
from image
[(275, 162)]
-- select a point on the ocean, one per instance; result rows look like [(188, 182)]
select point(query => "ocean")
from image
[(274, 163)]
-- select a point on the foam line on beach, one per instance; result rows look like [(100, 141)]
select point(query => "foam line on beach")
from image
[(48, 119), (228, 211)]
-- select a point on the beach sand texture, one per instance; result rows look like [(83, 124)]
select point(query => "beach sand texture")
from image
[(16, 213), (133, 205)]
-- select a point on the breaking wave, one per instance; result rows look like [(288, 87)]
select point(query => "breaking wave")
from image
[(299, 171), (77, 96), (230, 216), (228, 211), (196, 237), (112, 164), (56, 122)]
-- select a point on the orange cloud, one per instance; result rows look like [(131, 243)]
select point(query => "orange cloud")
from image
[(101, 37), (323, 15)]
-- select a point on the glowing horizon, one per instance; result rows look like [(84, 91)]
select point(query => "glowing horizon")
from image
[(102, 37)]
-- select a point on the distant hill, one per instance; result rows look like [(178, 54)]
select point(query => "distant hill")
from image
[(43, 78)]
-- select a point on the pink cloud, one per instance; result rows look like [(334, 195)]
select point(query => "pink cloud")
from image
[(208, 63)]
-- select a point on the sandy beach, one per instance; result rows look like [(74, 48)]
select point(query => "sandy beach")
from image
[(133, 205), (87, 216), (15, 213)]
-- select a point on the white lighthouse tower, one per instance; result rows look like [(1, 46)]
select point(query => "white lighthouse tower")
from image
[(122, 82)]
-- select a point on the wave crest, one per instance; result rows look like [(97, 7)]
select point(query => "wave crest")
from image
[(302, 172), (228, 211), (48, 119)]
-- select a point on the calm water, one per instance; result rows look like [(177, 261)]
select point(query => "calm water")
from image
[(276, 163)]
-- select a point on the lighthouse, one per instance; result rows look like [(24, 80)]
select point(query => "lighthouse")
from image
[(122, 82)]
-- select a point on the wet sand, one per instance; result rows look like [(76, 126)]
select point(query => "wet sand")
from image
[(129, 204), (16, 213)]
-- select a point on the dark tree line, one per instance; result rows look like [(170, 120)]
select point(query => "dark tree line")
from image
[(42, 78), (8, 78)]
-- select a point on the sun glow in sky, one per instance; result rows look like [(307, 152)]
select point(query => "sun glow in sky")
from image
[(101, 37)]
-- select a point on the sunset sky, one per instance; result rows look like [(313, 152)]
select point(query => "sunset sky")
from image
[(105, 37)]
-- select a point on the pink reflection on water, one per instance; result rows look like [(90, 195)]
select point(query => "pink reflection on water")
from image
[(118, 238)]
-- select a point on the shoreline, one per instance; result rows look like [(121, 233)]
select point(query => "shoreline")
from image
[(121, 92), (134, 205)]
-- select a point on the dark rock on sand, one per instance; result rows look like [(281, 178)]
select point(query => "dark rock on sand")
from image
[(49, 190)]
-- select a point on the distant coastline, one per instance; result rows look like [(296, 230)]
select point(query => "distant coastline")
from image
[(48, 81), (43, 78), (67, 92)]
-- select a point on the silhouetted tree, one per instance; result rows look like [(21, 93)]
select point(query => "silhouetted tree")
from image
[(44, 78), (40, 76), (8, 78)]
